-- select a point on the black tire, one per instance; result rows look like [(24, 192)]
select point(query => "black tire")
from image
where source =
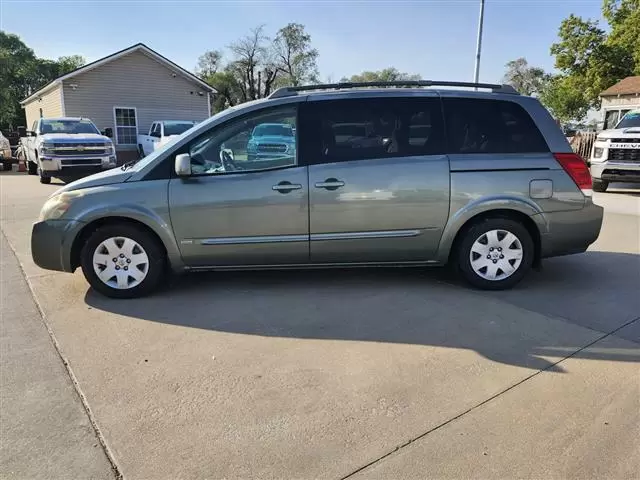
[(475, 232), (154, 250), (32, 168), (6, 166), (600, 185), (140, 152), (44, 178)]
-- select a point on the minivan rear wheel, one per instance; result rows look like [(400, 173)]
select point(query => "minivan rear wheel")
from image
[(123, 261), (495, 254)]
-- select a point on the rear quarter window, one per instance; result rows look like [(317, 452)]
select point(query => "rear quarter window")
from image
[(490, 126)]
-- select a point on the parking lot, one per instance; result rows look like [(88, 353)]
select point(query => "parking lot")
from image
[(394, 373)]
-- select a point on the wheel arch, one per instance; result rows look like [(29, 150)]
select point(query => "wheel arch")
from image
[(86, 231), (530, 218)]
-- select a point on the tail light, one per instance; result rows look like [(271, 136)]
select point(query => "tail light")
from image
[(575, 166)]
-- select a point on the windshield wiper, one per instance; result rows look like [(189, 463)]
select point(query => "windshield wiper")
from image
[(128, 165)]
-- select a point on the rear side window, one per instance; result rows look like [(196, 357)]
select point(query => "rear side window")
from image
[(490, 126), (366, 129)]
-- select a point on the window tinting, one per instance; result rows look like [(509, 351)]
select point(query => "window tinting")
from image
[(490, 126), (176, 128), (364, 129)]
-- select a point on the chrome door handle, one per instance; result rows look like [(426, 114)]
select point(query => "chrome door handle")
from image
[(330, 184), (286, 187)]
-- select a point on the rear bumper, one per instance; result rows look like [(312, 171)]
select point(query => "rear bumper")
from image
[(51, 243), (571, 231), (616, 171)]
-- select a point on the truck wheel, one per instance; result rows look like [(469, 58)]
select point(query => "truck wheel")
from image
[(32, 168), (44, 178), (600, 185), (6, 166), (123, 261), (495, 254)]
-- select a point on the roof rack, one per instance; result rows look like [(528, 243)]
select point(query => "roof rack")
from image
[(292, 91)]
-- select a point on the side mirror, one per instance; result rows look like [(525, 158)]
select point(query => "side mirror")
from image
[(22, 132), (108, 132), (183, 165), (31, 133)]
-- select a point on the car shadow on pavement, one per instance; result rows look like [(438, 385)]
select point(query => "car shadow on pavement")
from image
[(533, 325)]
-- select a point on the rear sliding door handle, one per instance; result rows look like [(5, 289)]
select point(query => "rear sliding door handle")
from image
[(330, 184), (286, 187)]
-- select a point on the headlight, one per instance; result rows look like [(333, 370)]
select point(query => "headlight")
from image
[(57, 205), (597, 152), (108, 146), (47, 148)]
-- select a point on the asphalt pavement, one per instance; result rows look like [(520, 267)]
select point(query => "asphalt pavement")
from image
[(394, 373)]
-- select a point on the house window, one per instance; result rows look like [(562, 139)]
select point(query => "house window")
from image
[(126, 126)]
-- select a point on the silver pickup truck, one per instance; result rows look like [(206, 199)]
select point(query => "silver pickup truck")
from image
[(67, 147)]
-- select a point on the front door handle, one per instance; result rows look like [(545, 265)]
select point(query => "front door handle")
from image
[(286, 187), (330, 184)]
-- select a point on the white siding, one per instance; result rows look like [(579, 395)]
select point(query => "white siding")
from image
[(50, 102), (139, 81), (621, 101)]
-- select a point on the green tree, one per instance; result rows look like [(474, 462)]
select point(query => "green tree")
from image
[(564, 99), (295, 59), (257, 64), (69, 63), (524, 78), (390, 74), (209, 63), (24, 73), (590, 60)]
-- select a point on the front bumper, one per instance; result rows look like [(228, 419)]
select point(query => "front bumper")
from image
[(51, 243), (72, 165), (612, 171)]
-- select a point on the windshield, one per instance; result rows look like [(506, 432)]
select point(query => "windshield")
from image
[(176, 128), (275, 130), (631, 119), (68, 126)]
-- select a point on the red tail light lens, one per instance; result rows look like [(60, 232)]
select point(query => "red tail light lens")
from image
[(577, 169)]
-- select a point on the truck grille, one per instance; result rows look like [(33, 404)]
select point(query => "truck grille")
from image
[(630, 155), (625, 140), (272, 148), (70, 149)]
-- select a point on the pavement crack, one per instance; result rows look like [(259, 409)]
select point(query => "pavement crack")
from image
[(484, 402), (76, 385)]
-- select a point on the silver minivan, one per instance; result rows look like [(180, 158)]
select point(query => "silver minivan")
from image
[(377, 174)]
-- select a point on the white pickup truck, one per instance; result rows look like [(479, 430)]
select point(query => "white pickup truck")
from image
[(66, 147), (162, 132), (616, 153)]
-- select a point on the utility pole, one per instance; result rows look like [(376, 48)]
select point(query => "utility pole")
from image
[(476, 75)]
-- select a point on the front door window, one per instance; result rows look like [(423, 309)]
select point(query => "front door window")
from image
[(263, 141)]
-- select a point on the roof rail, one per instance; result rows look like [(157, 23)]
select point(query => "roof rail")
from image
[(292, 91)]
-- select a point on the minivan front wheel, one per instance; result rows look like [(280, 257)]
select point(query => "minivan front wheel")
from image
[(122, 261), (495, 254)]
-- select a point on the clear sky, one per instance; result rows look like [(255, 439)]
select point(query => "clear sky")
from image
[(434, 38)]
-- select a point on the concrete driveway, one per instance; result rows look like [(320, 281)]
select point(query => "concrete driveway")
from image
[(378, 373)]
